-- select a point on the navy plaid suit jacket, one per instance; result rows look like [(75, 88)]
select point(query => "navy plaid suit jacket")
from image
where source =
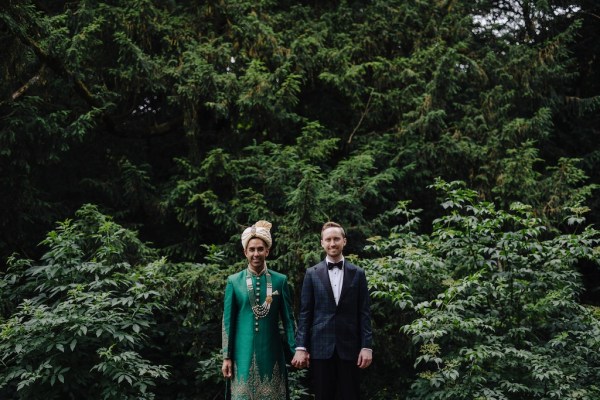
[(324, 326)]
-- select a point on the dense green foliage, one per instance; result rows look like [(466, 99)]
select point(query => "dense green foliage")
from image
[(485, 307), (493, 302), (183, 122), (161, 112), (82, 316)]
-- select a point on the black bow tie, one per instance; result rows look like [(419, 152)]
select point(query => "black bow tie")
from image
[(339, 264)]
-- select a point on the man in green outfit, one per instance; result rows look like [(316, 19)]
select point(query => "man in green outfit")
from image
[(256, 299)]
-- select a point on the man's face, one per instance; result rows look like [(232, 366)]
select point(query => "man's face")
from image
[(333, 242), (256, 252)]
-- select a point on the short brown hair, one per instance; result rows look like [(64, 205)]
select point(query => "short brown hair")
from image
[(331, 224)]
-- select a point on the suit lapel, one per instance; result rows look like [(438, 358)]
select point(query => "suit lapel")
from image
[(349, 271), (324, 277)]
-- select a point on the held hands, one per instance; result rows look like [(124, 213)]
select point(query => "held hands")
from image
[(301, 359), (226, 368), (365, 358)]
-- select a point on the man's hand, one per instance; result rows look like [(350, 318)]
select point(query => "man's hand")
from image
[(227, 368), (301, 359), (365, 358)]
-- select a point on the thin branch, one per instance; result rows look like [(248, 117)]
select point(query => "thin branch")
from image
[(362, 117), (29, 84), (136, 131), (590, 13), (161, 129)]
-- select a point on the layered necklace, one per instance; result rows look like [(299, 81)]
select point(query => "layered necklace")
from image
[(260, 310)]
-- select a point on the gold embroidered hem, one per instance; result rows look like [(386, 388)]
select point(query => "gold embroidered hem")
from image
[(257, 387), (225, 340)]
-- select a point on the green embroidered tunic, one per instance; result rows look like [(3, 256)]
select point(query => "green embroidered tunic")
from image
[(254, 344)]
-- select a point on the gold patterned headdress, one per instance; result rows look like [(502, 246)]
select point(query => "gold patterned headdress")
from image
[(261, 229)]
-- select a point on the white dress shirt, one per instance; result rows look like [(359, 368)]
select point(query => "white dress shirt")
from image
[(336, 278)]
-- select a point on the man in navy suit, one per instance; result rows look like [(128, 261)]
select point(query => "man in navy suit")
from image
[(334, 328)]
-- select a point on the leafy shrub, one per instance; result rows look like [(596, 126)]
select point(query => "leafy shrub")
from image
[(83, 315), (498, 311)]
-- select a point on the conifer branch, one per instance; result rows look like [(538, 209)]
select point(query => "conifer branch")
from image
[(58, 67), (82, 90)]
